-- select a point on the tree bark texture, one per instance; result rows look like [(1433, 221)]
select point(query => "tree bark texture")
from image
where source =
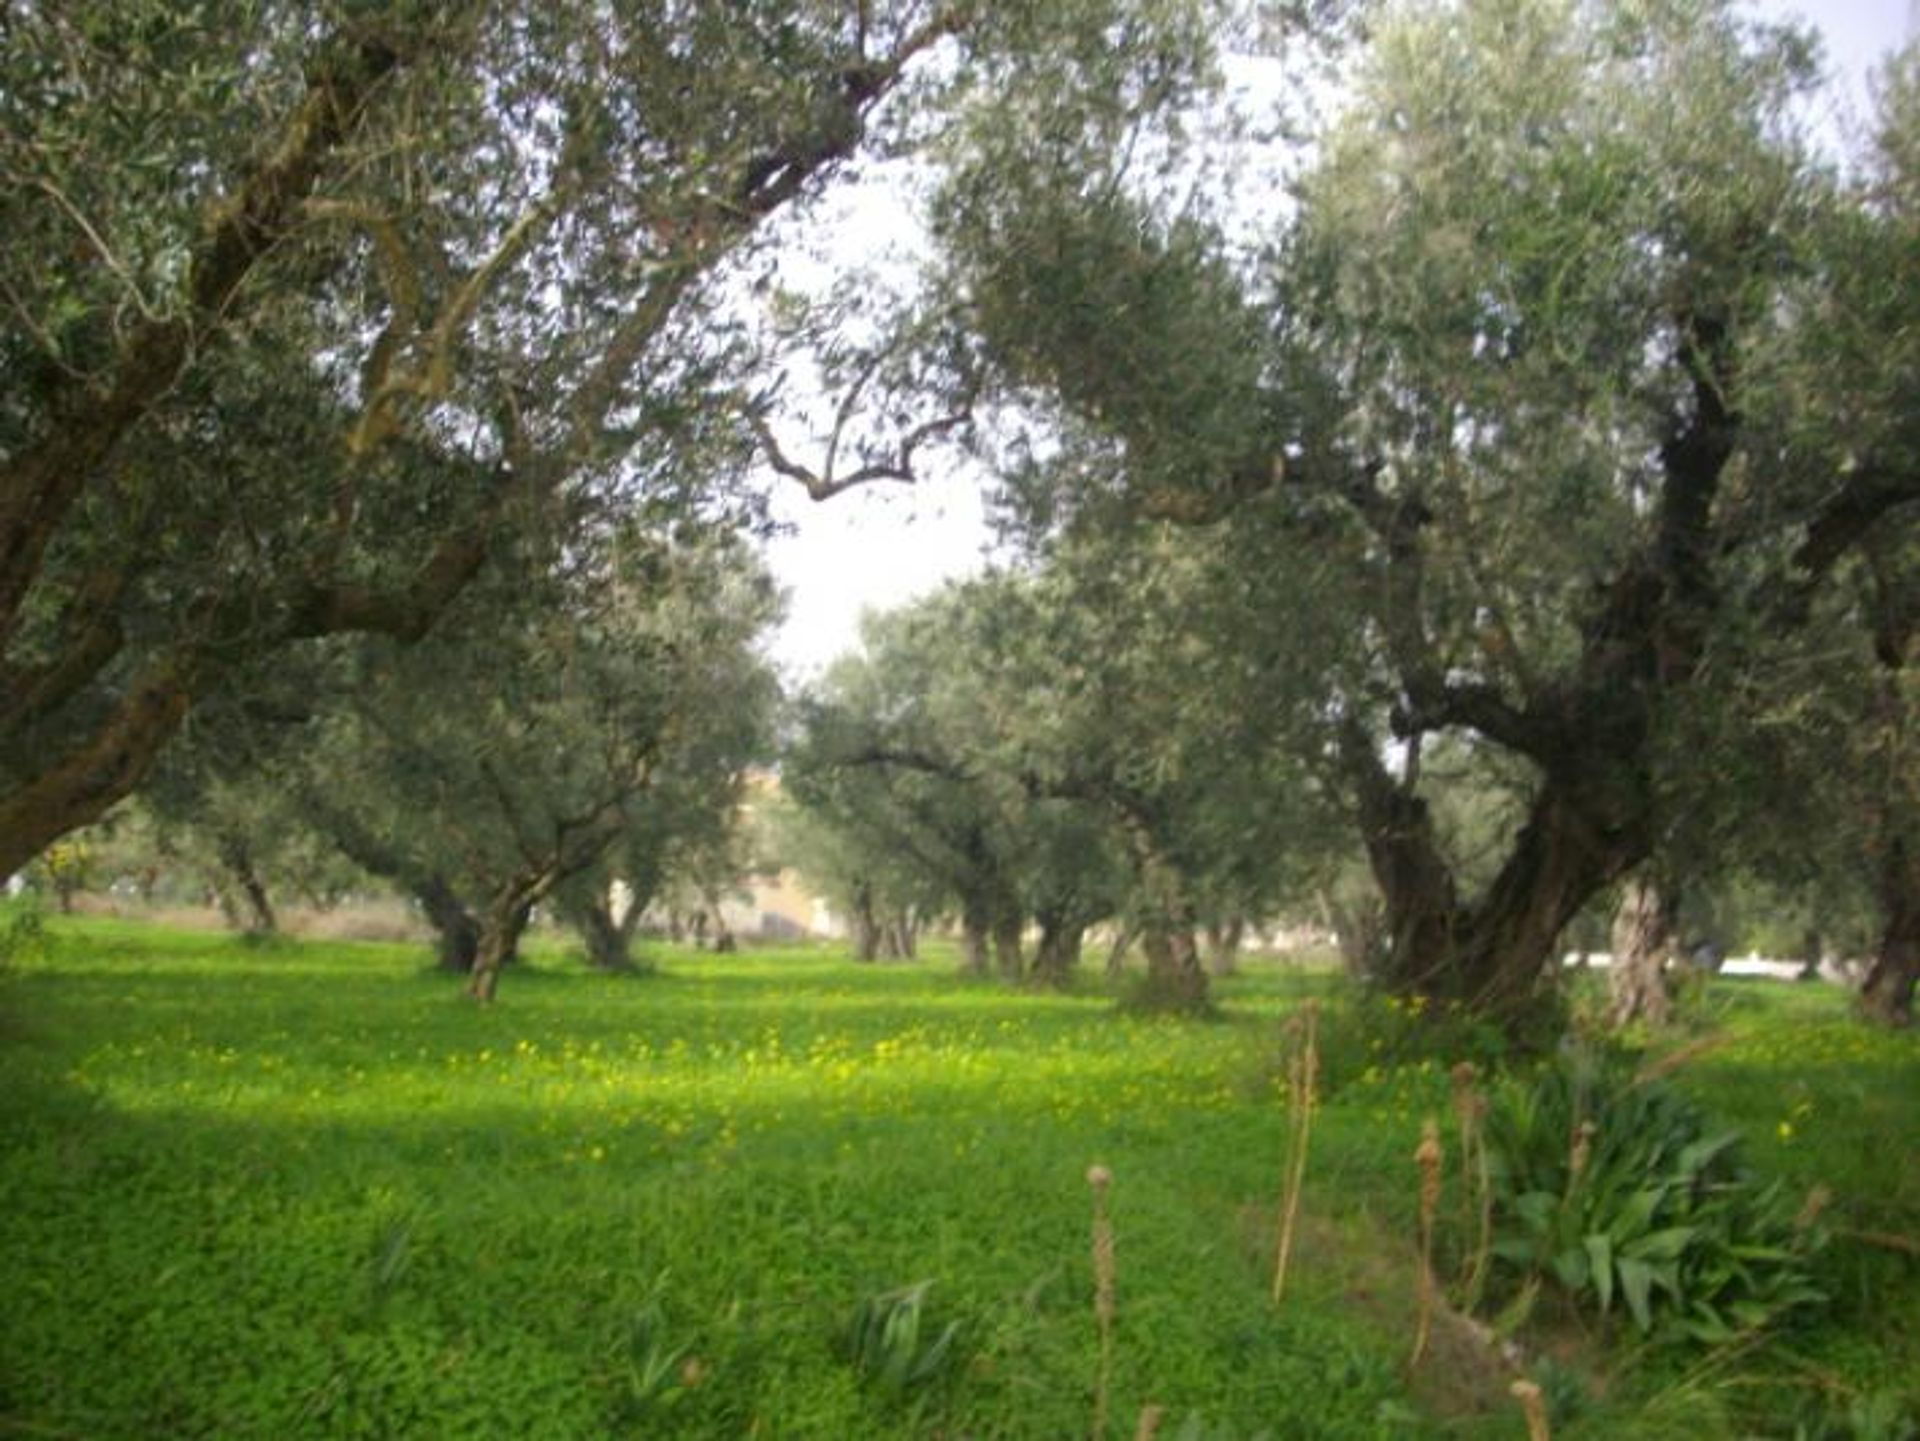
[(1643, 947), (1887, 995), (501, 926)]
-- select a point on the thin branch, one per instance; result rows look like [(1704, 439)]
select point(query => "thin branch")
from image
[(824, 484)]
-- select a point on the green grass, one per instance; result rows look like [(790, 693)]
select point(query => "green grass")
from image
[(305, 1189)]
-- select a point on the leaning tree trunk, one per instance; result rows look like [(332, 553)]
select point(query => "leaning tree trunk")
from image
[(501, 927), (723, 938), (1643, 946), (237, 859), (1124, 935), (1887, 995)]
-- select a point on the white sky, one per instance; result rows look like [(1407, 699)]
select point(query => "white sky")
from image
[(879, 546)]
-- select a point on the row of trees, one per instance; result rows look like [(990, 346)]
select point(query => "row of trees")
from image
[(1557, 429), (577, 732), (304, 310), (1553, 425), (377, 389)]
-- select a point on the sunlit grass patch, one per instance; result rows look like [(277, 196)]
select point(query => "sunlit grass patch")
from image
[(308, 1190)]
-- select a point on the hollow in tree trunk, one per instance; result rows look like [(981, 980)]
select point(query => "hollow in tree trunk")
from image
[(1643, 946), (1490, 956)]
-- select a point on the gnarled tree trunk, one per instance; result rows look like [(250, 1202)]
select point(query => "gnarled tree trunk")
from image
[(1490, 956), (1643, 946)]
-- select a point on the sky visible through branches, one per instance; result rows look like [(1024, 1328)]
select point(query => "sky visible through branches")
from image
[(879, 546)]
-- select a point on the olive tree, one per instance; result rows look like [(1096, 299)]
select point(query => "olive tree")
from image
[(304, 304), (1524, 369)]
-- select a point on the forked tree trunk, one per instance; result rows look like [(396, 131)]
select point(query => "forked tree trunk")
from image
[(501, 927), (1643, 947), (897, 939), (1223, 945), (1176, 981), (1057, 955), (608, 942), (1489, 957), (237, 859)]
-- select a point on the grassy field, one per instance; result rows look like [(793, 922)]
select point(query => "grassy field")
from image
[(304, 1189)]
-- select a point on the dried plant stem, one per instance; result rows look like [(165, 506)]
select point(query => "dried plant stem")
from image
[(1150, 1419), (1531, 1402), (1428, 1157), (1470, 1108), (1303, 1073), (1100, 1178)]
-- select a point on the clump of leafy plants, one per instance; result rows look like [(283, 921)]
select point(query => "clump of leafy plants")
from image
[(891, 1342), (1615, 1187), (22, 929)]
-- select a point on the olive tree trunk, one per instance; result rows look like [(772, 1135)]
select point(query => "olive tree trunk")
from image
[(1643, 946)]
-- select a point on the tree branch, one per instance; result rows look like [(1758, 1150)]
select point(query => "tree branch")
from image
[(41, 482)]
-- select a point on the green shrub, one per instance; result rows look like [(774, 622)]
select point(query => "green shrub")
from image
[(1370, 1030), (22, 928), (1616, 1189)]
